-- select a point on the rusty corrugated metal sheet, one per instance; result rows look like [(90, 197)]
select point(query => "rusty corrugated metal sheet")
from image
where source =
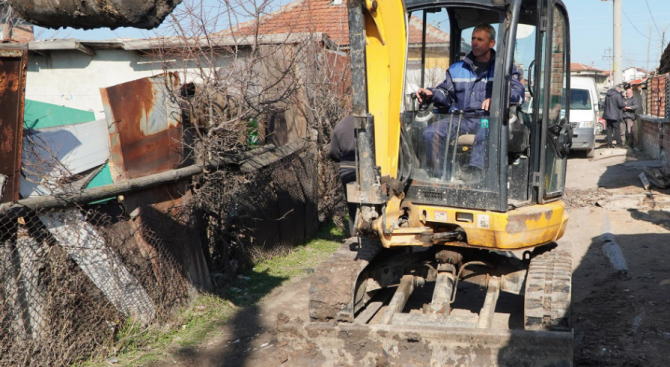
[(146, 137), (13, 67), (144, 126)]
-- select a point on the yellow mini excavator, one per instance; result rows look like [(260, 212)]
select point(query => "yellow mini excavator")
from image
[(451, 268)]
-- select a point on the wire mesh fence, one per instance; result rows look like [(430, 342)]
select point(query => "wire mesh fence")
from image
[(69, 277)]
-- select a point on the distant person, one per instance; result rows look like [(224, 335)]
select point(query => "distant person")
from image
[(613, 115), (629, 115), (343, 150)]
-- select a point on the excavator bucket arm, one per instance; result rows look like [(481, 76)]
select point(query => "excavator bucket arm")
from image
[(89, 14)]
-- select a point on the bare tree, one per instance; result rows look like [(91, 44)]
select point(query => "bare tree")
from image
[(244, 87)]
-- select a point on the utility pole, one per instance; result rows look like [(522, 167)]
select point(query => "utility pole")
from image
[(648, 47), (661, 49), (617, 42)]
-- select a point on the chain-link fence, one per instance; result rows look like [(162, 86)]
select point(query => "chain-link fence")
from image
[(72, 275)]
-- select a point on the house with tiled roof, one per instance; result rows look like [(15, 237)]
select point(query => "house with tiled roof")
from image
[(634, 73), (325, 16), (330, 17), (301, 16), (578, 67), (601, 76)]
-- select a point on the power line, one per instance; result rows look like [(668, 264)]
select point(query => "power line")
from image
[(609, 17), (634, 27), (652, 18)]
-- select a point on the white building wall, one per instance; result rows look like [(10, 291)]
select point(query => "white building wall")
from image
[(631, 74), (73, 79)]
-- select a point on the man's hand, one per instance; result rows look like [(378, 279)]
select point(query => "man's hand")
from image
[(429, 94), (486, 104)]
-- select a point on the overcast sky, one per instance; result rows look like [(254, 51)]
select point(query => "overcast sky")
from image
[(591, 24)]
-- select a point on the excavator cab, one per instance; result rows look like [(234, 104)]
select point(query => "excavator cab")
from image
[(431, 173), (509, 148), (458, 206)]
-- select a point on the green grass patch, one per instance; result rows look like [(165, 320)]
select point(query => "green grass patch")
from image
[(137, 345), (271, 273)]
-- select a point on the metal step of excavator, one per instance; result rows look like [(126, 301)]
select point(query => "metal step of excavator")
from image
[(344, 344)]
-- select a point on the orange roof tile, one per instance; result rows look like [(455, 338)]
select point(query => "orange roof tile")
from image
[(302, 16), (433, 34), (323, 16), (578, 66)]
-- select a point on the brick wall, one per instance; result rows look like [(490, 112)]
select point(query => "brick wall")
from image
[(655, 136), (20, 33)]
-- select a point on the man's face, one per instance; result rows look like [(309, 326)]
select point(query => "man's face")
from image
[(481, 44), (629, 93)]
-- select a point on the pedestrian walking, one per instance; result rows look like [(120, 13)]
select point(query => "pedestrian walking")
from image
[(629, 115), (613, 115), (343, 150)]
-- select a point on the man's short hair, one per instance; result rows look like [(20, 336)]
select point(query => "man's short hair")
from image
[(488, 29)]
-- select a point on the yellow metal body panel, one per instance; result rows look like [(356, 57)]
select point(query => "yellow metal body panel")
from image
[(517, 229), (385, 54)]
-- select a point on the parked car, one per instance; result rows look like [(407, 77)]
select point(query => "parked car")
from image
[(600, 127), (584, 113)]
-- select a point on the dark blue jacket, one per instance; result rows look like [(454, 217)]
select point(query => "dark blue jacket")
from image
[(613, 105), (468, 89), (343, 145)]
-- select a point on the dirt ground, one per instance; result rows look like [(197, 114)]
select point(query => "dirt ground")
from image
[(619, 318)]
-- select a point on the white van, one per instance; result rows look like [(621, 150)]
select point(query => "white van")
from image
[(583, 113)]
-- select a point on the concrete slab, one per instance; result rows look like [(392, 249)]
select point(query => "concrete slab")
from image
[(622, 202), (609, 153)]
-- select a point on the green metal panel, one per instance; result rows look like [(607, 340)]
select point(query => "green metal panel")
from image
[(101, 179), (104, 177), (39, 115)]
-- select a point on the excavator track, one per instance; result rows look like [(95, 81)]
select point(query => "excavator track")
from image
[(548, 289), (332, 338), (334, 285)]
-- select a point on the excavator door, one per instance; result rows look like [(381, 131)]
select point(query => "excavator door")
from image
[(553, 90)]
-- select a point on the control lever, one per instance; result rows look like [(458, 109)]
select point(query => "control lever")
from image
[(458, 132), (425, 112)]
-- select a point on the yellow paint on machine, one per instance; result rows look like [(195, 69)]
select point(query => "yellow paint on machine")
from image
[(520, 228), (517, 229), (386, 33)]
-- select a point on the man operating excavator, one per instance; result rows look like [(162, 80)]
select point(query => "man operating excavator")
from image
[(467, 86)]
